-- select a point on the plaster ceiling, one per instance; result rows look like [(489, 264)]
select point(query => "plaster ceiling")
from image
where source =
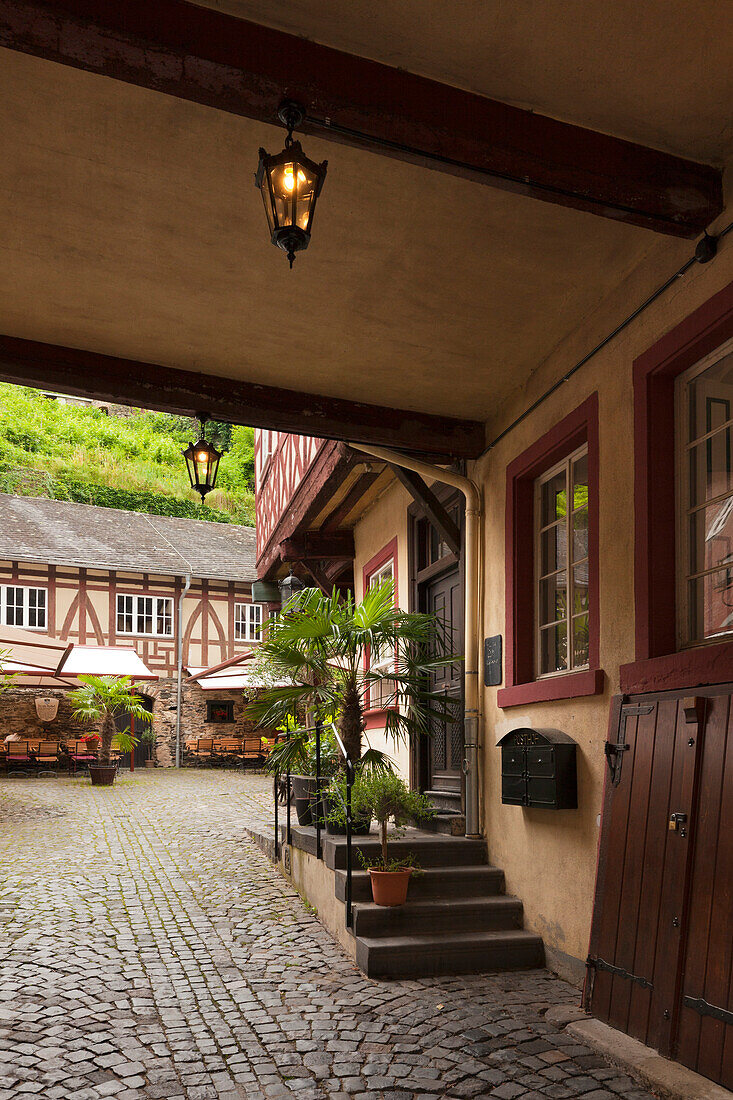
[(657, 72), (130, 225)]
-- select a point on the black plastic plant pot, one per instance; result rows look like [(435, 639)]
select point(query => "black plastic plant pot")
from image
[(303, 786), (360, 826)]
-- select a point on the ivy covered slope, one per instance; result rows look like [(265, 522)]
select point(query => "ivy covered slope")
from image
[(131, 461)]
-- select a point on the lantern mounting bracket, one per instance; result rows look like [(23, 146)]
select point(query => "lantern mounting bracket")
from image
[(291, 114)]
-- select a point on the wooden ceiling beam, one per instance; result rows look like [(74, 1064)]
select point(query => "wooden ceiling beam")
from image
[(209, 57), (152, 386), (318, 546)]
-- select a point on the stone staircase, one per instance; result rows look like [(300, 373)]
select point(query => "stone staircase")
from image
[(457, 919)]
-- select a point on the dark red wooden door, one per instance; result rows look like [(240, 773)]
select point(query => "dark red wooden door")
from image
[(661, 926), (445, 600)]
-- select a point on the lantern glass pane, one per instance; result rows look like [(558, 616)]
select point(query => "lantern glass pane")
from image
[(305, 198), (265, 189)]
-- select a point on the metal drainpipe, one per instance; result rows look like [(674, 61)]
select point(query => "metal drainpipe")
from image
[(179, 664), (471, 643)]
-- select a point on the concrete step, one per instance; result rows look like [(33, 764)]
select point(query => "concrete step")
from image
[(446, 800), (422, 956), (429, 850), (478, 914), (449, 824), (446, 883)]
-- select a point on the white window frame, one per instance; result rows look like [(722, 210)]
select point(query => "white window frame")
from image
[(566, 465), (156, 613), (248, 620), (682, 498), (380, 693), (25, 591)]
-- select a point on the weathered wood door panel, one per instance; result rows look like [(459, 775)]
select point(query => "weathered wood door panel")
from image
[(445, 600), (705, 1042), (661, 936)]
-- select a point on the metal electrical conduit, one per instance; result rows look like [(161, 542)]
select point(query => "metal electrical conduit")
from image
[(705, 251), (472, 494)]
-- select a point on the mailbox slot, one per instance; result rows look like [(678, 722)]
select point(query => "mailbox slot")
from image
[(538, 768)]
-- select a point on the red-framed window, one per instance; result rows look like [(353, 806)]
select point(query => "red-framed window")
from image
[(551, 562), (376, 570), (661, 661)]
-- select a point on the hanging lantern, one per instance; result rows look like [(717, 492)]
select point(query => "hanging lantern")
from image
[(290, 184), (202, 462)]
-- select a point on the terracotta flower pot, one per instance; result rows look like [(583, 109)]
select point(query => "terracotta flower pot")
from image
[(390, 887), (92, 743), (103, 775), (149, 763)]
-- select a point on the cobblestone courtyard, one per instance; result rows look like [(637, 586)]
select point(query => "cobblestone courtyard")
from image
[(150, 950)]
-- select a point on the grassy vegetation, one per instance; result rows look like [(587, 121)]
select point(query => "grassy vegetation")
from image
[(134, 462)]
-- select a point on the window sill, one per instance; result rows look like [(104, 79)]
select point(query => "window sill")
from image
[(376, 717), (708, 664), (573, 686)]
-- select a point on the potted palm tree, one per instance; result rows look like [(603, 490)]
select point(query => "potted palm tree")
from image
[(315, 661), (101, 699), (147, 738), (387, 798)]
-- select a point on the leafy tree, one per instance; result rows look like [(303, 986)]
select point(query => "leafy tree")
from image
[(315, 659), (100, 700)]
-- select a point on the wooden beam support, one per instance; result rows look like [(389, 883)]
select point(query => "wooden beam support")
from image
[(209, 57), (434, 510), (354, 495), (318, 546), (319, 576), (152, 386)]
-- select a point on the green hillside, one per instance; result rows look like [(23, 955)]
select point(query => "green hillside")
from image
[(131, 461)]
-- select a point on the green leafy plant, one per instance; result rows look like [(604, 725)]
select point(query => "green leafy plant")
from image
[(387, 798), (148, 739), (315, 659), (130, 459), (296, 753), (7, 679), (102, 699)]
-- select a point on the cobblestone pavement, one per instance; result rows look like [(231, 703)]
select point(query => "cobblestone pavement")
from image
[(150, 950)]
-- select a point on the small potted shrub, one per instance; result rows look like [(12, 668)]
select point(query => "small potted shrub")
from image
[(147, 738), (387, 798), (297, 754), (335, 799), (102, 699)]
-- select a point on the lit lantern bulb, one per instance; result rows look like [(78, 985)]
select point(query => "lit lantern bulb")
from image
[(201, 456), (289, 179)]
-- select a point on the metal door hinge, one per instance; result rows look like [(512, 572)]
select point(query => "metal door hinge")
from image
[(699, 1004), (618, 971), (614, 750)]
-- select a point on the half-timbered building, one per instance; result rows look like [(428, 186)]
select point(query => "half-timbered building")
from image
[(519, 283), (99, 576)]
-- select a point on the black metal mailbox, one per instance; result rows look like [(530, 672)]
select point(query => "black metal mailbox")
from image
[(538, 768)]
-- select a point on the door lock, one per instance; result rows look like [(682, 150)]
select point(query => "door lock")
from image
[(677, 823)]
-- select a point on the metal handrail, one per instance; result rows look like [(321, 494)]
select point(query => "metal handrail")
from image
[(318, 729)]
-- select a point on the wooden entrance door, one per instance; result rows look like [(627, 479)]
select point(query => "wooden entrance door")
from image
[(444, 598), (661, 952)]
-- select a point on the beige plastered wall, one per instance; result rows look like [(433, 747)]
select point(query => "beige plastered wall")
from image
[(385, 520), (549, 858)]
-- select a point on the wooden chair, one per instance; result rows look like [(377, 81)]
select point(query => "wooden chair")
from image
[(231, 749), (204, 750), (79, 755), (18, 757), (47, 757), (254, 754)]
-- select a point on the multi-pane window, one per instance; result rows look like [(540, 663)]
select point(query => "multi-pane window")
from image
[(247, 622), (704, 414), (381, 660), (151, 615), (24, 607), (561, 566)]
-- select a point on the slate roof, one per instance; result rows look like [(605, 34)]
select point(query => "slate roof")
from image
[(59, 533)]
